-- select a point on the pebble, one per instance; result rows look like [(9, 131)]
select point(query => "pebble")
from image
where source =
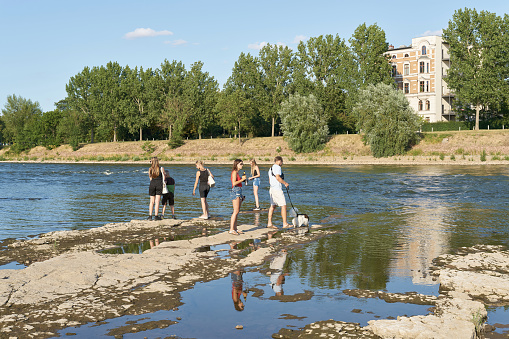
[(239, 327)]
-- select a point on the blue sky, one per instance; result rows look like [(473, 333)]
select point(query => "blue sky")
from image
[(44, 43)]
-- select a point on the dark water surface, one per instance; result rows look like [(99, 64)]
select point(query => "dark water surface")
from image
[(393, 220)]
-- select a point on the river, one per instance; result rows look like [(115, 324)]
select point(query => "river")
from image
[(392, 221)]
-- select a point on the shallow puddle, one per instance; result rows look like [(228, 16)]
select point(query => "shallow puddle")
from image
[(12, 266)]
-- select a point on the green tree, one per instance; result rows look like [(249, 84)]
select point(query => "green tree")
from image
[(175, 109), (478, 47), (328, 62), (276, 63), (388, 123), (369, 46), (140, 88), (304, 123), (247, 78), (49, 124), (200, 92), (21, 119), (110, 107), (83, 98), (234, 111)]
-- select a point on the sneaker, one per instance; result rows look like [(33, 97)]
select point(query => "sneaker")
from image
[(173, 216), (157, 217), (149, 217), (256, 209)]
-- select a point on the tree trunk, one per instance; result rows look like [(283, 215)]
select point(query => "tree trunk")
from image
[(477, 109), (169, 132), (273, 123), (92, 136), (141, 134), (239, 134), (115, 134)]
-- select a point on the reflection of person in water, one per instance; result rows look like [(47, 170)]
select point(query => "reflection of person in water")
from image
[(277, 278), (237, 292)]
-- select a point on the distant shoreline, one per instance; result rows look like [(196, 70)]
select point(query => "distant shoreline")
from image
[(438, 148)]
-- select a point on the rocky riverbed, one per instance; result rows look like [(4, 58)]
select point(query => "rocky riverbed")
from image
[(74, 277)]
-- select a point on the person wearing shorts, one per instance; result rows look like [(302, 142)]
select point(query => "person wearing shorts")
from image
[(168, 198), (202, 176), (276, 195), (155, 189), (236, 194), (255, 177)]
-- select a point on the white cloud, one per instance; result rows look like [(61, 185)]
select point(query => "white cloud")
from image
[(299, 38), (258, 45), (428, 33), (145, 32), (176, 42)]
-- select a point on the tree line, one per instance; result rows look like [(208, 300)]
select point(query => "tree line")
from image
[(329, 79), (115, 102)]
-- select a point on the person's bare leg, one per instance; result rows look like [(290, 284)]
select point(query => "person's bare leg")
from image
[(255, 192), (283, 215), (158, 200), (271, 212), (151, 205), (233, 219), (204, 206)]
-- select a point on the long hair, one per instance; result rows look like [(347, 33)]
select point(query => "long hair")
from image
[(235, 163), (153, 172), (253, 164)]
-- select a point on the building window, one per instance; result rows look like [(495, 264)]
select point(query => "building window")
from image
[(420, 105), (400, 86), (407, 87), (394, 56), (394, 70), (423, 50), (406, 55), (423, 86), (421, 67), (406, 69), (427, 105), (427, 67)]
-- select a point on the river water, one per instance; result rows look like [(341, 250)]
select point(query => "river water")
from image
[(393, 220)]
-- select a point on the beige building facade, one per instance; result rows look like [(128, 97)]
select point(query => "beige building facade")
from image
[(419, 71)]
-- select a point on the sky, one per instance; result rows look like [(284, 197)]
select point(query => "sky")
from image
[(43, 43)]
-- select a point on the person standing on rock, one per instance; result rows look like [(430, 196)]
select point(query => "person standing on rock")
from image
[(277, 197), (236, 194), (202, 176), (255, 177), (168, 198), (155, 190)]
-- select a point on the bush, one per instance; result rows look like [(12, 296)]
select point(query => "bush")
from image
[(388, 123), (175, 142), (147, 147), (304, 123)]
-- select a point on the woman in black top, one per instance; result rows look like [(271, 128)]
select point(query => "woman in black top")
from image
[(202, 176), (155, 190)]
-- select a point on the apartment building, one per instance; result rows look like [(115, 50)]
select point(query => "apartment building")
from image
[(419, 71)]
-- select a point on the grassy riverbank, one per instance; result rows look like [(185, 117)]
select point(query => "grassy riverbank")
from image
[(459, 147)]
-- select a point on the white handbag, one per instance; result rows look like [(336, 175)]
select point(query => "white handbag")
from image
[(210, 181)]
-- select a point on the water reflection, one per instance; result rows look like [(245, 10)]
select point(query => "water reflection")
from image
[(277, 277), (238, 290)]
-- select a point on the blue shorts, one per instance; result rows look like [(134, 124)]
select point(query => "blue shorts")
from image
[(256, 181), (236, 192)]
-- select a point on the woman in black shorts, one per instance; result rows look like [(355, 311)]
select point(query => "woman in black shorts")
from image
[(202, 176), (155, 173)]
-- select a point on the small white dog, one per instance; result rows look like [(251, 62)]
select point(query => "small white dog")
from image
[(299, 220)]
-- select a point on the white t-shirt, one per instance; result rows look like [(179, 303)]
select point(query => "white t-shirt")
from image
[(275, 169)]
